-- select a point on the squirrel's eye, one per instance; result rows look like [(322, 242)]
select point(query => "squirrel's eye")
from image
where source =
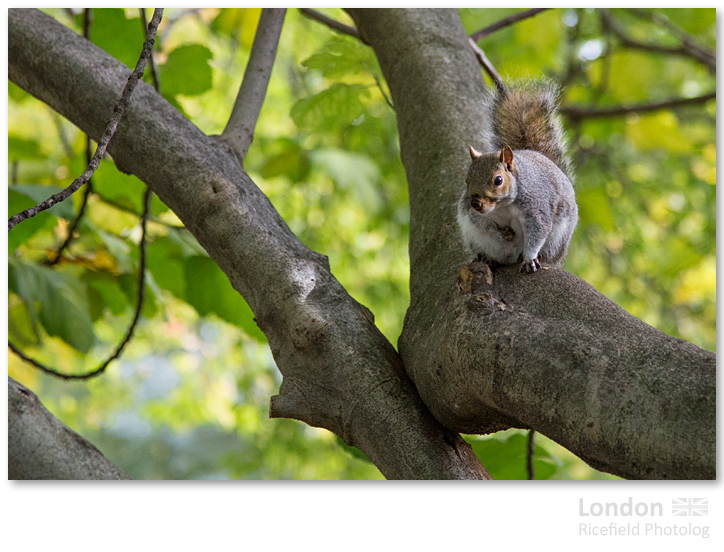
[(498, 181)]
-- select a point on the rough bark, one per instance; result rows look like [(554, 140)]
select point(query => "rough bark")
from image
[(339, 371), (544, 351), (41, 447)]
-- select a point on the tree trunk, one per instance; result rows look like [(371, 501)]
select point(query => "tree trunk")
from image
[(544, 351)]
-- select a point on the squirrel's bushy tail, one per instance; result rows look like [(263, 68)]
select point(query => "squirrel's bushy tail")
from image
[(524, 115)]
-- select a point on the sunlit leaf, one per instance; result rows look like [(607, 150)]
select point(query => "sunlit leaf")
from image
[(335, 107), (186, 71), (209, 291), (507, 458), (121, 37), (60, 300), (122, 189)]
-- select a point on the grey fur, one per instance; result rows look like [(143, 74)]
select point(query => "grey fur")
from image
[(535, 220)]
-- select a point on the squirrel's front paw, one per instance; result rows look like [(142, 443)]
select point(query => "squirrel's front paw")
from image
[(530, 266)]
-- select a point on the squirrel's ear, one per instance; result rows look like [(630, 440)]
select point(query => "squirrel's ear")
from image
[(474, 154), (506, 155)]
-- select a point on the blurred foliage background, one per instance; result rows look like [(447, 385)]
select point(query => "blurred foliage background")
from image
[(189, 397)]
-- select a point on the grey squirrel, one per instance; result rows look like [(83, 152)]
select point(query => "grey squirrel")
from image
[(519, 203)]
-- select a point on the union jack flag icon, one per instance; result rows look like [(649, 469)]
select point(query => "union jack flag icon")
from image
[(690, 506)]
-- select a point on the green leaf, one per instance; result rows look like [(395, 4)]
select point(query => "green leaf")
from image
[(507, 458), (105, 293), (21, 233), (119, 248), (120, 37), (676, 257), (39, 193), (186, 71), (129, 285), (228, 21), (337, 106), (209, 291), (340, 57), (188, 244), (123, 189), (165, 262), (56, 299)]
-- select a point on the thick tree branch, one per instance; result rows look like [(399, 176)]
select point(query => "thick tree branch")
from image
[(239, 131), (41, 447), (543, 351), (339, 371)]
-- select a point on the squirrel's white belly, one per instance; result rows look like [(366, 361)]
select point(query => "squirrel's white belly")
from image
[(491, 234)]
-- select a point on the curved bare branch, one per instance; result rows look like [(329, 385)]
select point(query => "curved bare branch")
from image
[(107, 135)]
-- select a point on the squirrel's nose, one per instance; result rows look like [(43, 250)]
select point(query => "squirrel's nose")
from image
[(475, 202)]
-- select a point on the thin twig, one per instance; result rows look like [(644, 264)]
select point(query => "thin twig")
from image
[(76, 222), (485, 62), (332, 23), (151, 57), (107, 135), (125, 209), (87, 21), (490, 29), (579, 113), (144, 225), (239, 131), (136, 317), (382, 90), (67, 147), (531, 452)]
